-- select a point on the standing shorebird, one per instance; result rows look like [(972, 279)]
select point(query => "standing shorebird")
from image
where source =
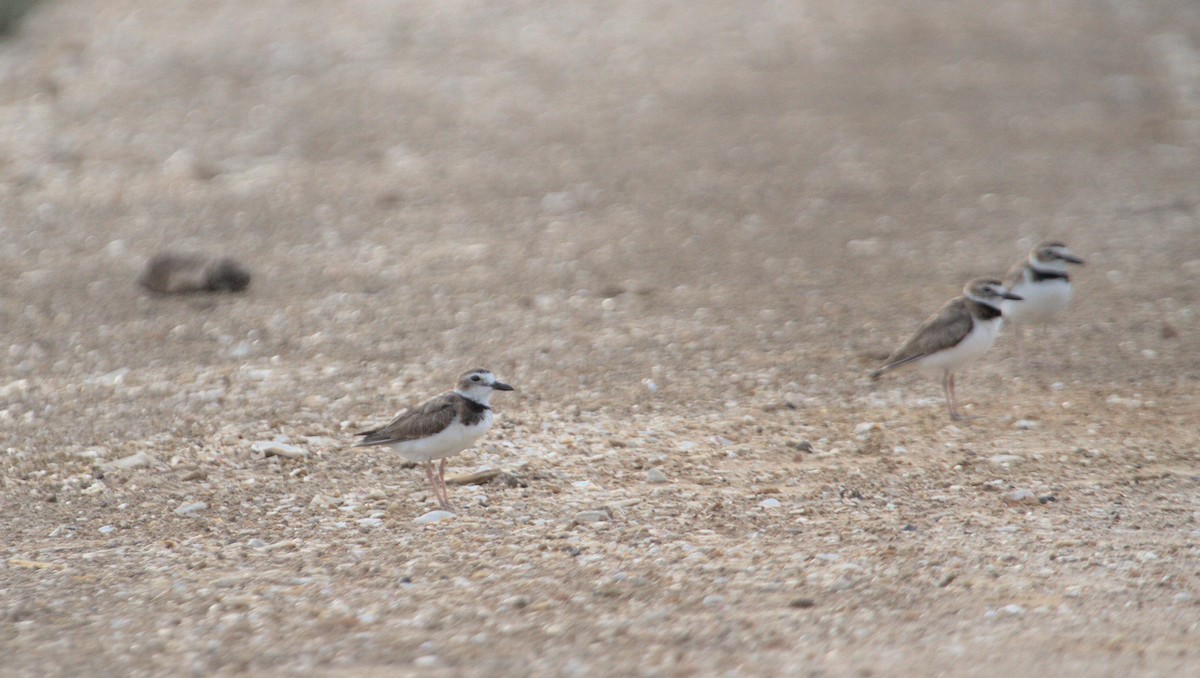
[(440, 427), (1041, 278), (960, 332)]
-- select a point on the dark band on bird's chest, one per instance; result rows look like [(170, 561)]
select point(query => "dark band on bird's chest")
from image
[(983, 311), (1039, 276), (471, 412)]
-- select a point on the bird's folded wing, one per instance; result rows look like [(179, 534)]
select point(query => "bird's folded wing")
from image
[(420, 422), (941, 331)]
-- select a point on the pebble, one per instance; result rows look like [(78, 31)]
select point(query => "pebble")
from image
[(324, 501), (176, 273), (592, 516), (95, 488), (188, 509), (1013, 610), (1021, 496), (256, 543), (1025, 424), (769, 503), (371, 522), (866, 428), (107, 529), (132, 461), (801, 446), (114, 378), (656, 476), (515, 603), (426, 661), (1006, 459), (432, 517), (714, 599), (195, 474), (376, 494), (279, 449)]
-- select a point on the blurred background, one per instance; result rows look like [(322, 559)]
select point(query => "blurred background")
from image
[(729, 196)]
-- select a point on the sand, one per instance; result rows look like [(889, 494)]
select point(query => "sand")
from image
[(685, 232)]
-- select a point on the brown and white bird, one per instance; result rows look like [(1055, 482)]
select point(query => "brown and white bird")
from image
[(1042, 279), (440, 427), (960, 332)]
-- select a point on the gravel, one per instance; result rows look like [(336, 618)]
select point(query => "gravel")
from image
[(639, 214)]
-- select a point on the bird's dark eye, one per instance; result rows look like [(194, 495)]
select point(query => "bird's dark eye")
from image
[(475, 378)]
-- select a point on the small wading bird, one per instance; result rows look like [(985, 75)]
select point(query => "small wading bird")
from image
[(440, 427), (1042, 280), (960, 332)]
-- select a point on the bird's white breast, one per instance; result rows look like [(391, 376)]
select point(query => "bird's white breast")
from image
[(1042, 300), (972, 346), (449, 441)]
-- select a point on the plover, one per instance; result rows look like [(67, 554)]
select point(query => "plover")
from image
[(960, 332), (440, 427), (1041, 278)]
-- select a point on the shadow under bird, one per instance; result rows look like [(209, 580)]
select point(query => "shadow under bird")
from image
[(962, 331), (1043, 281), (440, 427)]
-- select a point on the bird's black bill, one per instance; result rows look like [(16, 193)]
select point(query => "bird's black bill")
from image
[(1070, 258), (500, 386), (1009, 295)]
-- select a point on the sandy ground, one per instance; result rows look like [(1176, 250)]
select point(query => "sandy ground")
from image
[(685, 232)]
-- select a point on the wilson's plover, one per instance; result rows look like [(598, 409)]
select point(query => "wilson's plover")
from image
[(960, 332), (1041, 278), (440, 427)]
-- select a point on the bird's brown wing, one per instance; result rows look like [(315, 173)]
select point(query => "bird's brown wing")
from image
[(419, 422), (942, 330)]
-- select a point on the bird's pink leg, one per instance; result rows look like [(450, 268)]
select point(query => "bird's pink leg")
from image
[(428, 466), (948, 389), (953, 400), (442, 478)]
